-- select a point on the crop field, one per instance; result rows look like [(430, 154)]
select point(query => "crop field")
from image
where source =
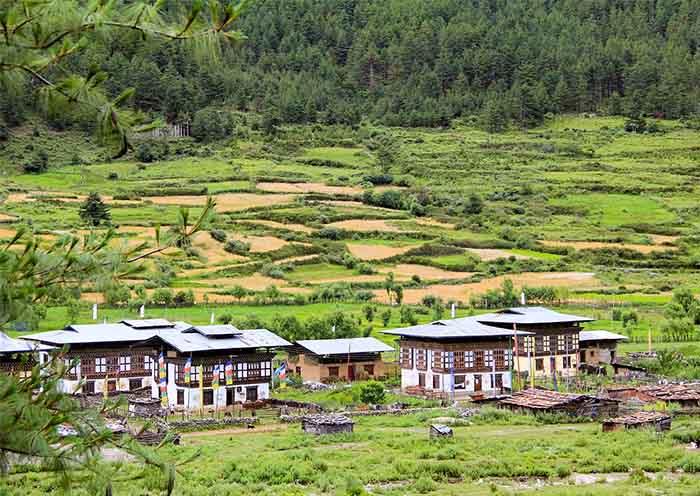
[(602, 216)]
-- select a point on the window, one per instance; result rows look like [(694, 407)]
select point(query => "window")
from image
[(500, 357), (499, 381), (266, 369), (369, 369), (458, 360), (460, 382), (254, 369), (488, 358), (545, 343), (526, 344), (479, 359), (135, 384), (74, 369), (468, 359), (333, 371), (208, 397), (124, 363), (507, 358), (539, 364), (574, 342), (437, 360), (148, 362), (90, 387), (553, 343), (180, 396), (194, 374), (436, 382), (561, 343), (566, 362), (101, 365), (421, 359), (406, 358)]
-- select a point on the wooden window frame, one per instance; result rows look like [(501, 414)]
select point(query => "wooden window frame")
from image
[(437, 360), (180, 397), (208, 397), (124, 363), (436, 381), (406, 357), (89, 387), (132, 383), (101, 365), (369, 369), (421, 359), (334, 371), (539, 361), (488, 358)]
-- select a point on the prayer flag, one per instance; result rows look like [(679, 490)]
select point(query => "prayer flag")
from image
[(215, 377), (188, 371), (228, 373)]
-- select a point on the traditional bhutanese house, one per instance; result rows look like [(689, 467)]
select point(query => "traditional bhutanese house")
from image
[(686, 395), (325, 360), (598, 347), (17, 356), (640, 420), (536, 400), (554, 345), (457, 357), (117, 357), (234, 365)]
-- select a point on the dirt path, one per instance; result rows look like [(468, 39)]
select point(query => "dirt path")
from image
[(235, 431)]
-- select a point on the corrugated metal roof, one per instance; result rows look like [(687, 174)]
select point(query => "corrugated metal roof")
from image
[(465, 327), (177, 334), (215, 330), (344, 346), (186, 342), (11, 345), (148, 323), (530, 315), (600, 336)]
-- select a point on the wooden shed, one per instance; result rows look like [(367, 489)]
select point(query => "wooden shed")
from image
[(639, 420), (575, 405), (686, 395)]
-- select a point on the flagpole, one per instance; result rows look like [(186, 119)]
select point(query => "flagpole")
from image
[(517, 354)]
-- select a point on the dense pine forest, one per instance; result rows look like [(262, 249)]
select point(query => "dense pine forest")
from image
[(417, 63)]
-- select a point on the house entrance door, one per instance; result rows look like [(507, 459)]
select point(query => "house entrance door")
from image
[(351, 372), (230, 396), (477, 382), (251, 393)]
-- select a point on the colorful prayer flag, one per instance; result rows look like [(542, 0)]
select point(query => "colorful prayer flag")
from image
[(188, 371), (228, 373), (162, 371), (215, 377)]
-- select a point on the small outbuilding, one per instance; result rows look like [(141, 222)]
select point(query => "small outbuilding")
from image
[(639, 420), (329, 360), (326, 424), (536, 400), (440, 430), (686, 395), (598, 347)]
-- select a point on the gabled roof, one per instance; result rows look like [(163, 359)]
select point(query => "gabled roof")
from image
[(530, 315), (541, 399), (10, 345), (182, 336), (465, 327), (187, 342), (148, 323), (600, 336), (344, 346), (215, 330)]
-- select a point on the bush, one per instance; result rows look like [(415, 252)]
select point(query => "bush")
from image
[(562, 471), (386, 317), (424, 485), (212, 124), (162, 296), (225, 318), (407, 315), (365, 268), (113, 176), (38, 164), (218, 234), (148, 152), (372, 393), (237, 247), (184, 298)]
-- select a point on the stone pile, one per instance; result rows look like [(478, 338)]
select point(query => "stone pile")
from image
[(320, 424)]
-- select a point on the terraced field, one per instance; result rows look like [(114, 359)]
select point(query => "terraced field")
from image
[(578, 205)]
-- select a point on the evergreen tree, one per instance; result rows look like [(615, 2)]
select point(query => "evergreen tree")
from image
[(94, 211)]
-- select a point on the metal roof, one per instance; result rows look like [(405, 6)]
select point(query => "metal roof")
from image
[(344, 346), (530, 315), (180, 335), (148, 323), (600, 336), (187, 342), (215, 330), (465, 327), (11, 345)]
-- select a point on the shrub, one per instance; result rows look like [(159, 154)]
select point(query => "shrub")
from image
[(113, 176), (237, 247), (386, 317), (218, 234), (365, 268), (372, 393), (162, 296), (212, 124), (424, 485), (562, 471), (407, 315), (225, 318), (38, 164), (184, 298), (148, 152), (369, 311), (94, 211)]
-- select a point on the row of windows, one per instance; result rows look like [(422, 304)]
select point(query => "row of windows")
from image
[(335, 371), (567, 363), (495, 381), (457, 359), (249, 370), (112, 385), (548, 344)]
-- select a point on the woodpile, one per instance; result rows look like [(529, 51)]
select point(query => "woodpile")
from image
[(546, 401), (326, 424), (639, 420)]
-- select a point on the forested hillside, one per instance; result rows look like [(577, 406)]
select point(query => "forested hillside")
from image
[(419, 63)]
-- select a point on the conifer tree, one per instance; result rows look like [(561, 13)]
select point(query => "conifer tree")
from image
[(94, 211)]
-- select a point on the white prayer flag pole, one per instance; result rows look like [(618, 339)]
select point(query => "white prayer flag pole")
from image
[(94, 311), (142, 311), (211, 320)]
